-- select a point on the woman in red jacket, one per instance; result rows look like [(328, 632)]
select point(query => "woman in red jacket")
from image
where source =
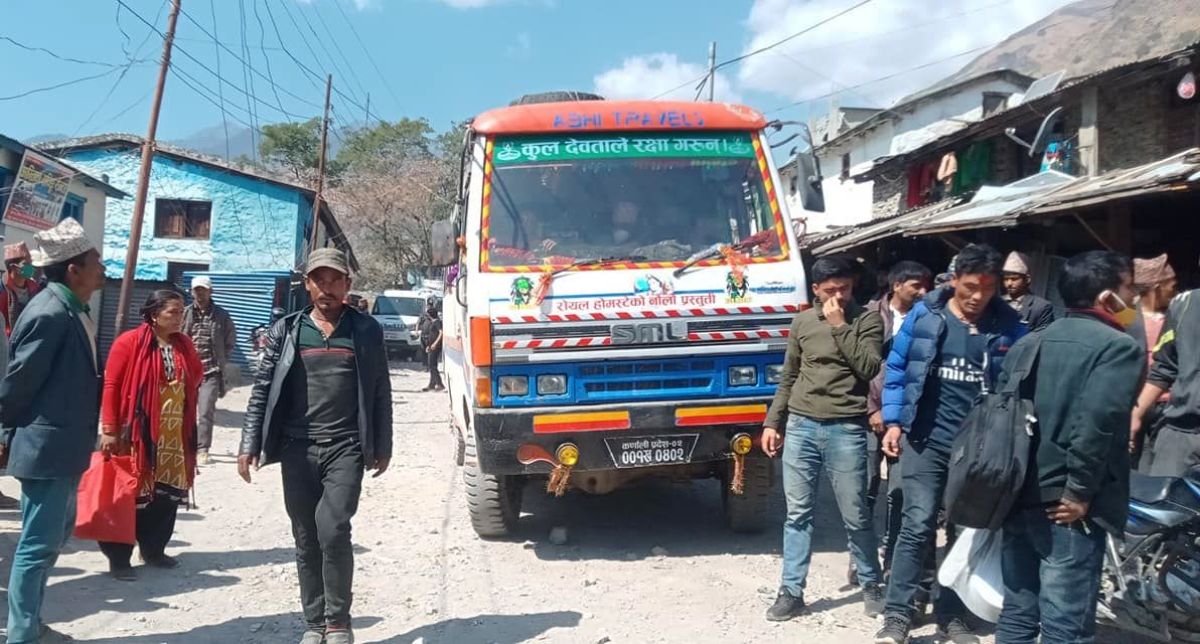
[(151, 384)]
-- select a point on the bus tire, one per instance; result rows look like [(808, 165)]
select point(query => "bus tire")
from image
[(746, 513), (493, 501)]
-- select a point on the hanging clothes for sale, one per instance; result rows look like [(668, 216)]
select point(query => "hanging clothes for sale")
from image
[(974, 169), (947, 169)]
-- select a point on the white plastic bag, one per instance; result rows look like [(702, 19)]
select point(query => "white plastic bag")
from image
[(972, 569)]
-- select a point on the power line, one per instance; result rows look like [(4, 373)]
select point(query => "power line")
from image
[(882, 78), (76, 81), (321, 43), (262, 37), (279, 37), (318, 76), (191, 82), (769, 47), (370, 58), (338, 48), (67, 59), (249, 83), (212, 7), (242, 60), (210, 70)]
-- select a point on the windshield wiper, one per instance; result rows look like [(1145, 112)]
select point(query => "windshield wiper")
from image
[(597, 261), (716, 250)]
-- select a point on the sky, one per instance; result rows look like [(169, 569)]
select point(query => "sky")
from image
[(447, 60)]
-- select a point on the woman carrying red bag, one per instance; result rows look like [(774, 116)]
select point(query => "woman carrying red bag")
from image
[(151, 384)]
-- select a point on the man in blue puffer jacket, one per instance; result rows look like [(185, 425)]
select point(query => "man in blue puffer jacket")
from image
[(951, 345)]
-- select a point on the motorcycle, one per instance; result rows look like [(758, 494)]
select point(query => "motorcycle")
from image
[(258, 339), (1151, 581)]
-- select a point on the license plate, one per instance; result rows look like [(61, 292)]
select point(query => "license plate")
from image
[(393, 336), (647, 451)]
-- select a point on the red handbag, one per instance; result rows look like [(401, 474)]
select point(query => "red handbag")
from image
[(107, 505)]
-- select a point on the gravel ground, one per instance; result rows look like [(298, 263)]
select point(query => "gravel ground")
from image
[(651, 563)]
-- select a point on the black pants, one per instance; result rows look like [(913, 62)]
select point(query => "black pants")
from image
[(321, 486), (155, 526), (432, 358)]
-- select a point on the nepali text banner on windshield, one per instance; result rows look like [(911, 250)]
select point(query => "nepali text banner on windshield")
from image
[(533, 149)]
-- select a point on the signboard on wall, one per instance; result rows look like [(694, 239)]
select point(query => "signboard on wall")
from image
[(37, 196)]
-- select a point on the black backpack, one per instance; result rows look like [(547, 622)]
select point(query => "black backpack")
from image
[(992, 451)]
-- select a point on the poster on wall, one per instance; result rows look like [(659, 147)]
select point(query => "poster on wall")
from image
[(38, 193)]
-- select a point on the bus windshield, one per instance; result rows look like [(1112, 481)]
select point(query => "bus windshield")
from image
[(557, 199)]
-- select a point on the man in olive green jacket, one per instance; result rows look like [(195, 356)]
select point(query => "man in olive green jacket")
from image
[(834, 351)]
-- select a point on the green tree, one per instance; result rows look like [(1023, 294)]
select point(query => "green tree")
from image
[(292, 146), (385, 143)]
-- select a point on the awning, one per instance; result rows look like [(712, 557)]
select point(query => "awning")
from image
[(1045, 193), (879, 229), (993, 206)]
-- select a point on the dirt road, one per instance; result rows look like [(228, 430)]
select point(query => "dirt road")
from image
[(650, 564)]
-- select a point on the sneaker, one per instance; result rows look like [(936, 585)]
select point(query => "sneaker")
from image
[(894, 631), (873, 600), (313, 637), (958, 631), (786, 607), (339, 636)]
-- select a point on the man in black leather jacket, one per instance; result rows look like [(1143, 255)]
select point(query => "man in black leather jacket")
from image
[(322, 407)]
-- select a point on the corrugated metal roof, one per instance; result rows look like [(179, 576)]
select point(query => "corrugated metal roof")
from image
[(993, 206), (880, 228)]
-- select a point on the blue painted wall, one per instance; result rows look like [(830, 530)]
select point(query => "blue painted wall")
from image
[(256, 226)]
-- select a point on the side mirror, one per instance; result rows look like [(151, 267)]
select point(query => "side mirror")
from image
[(442, 246), (808, 172)]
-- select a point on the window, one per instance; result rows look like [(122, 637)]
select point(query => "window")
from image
[(175, 271), (994, 102), (73, 208), (845, 166), (182, 219), (6, 181)]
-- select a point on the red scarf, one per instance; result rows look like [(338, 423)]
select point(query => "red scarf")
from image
[(143, 379)]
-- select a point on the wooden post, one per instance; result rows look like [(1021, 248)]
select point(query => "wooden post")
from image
[(316, 223), (1089, 135), (139, 204)]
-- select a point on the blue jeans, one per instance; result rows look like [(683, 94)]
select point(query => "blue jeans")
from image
[(47, 521), (1051, 580), (841, 447), (923, 468)]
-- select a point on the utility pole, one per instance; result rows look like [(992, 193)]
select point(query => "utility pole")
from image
[(316, 224), (139, 204), (712, 70), (367, 123)]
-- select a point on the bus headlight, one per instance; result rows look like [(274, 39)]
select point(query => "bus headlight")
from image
[(514, 386), (743, 376), (774, 373), (554, 384)]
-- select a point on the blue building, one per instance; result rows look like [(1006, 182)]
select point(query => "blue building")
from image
[(202, 213), (246, 228)]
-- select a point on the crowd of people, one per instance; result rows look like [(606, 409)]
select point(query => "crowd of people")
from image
[(881, 391), (320, 406)]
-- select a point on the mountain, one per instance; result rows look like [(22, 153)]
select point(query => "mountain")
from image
[(211, 140), (1091, 35)]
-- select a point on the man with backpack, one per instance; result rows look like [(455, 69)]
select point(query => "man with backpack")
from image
[(952, 342), (1077, 483)]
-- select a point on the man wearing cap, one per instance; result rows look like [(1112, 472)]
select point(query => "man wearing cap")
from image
[(1155, 283), (49, 412), (215, 336), (321, 406), (1037, 313), (19, 285)]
